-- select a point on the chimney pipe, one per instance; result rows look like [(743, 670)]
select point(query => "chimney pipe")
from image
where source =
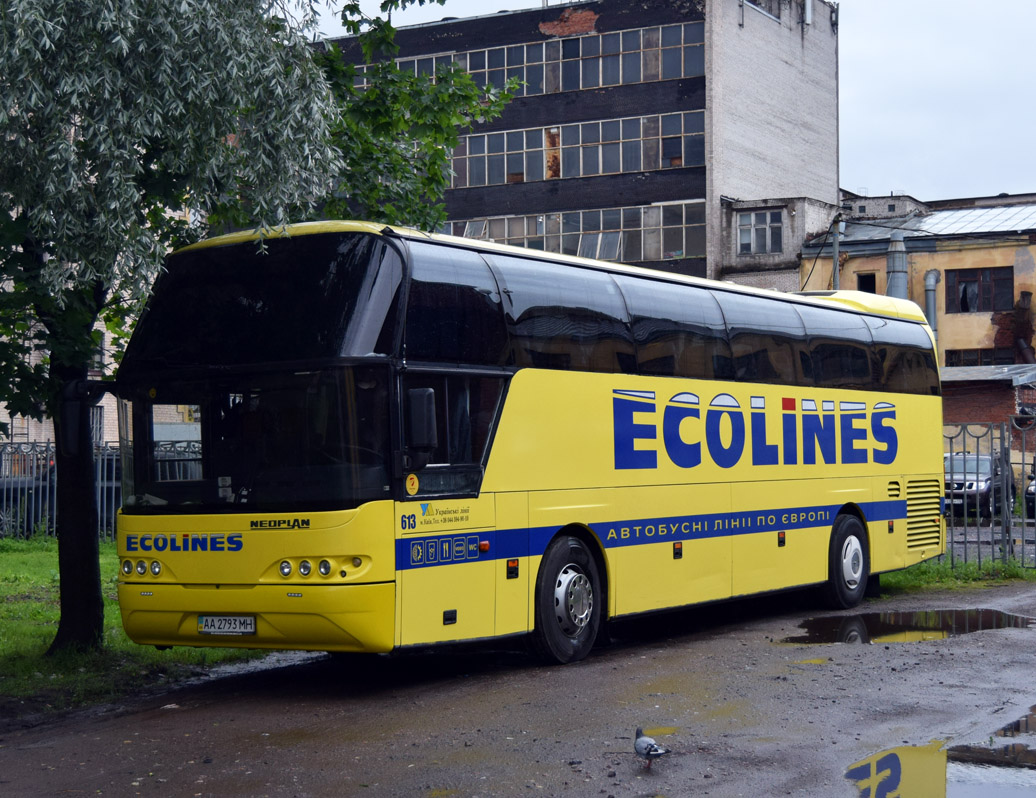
[(896, 267)]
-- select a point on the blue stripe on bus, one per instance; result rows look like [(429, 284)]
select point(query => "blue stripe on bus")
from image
[(464, 547)]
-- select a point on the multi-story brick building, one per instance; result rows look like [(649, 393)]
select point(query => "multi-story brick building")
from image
[(694, 136)]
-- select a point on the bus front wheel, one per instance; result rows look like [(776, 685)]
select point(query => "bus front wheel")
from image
[(848, 563), (568, 602)]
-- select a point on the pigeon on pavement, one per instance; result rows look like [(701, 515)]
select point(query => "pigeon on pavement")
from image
[(647, 748)]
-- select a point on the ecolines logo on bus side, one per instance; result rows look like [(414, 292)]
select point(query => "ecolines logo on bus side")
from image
[(185, 542), (728, 433)]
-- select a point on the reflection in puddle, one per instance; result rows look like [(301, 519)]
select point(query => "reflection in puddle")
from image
[(905, 627), (1014, 754), (980, 781), (962, 771)]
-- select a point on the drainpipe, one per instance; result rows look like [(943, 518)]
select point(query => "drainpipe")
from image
[(931, 279), (839, 227), (896, 267), (1024, 308)]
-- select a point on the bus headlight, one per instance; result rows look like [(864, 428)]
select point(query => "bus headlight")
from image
[(305, 568), (156, 568), (127, 567), (141, 567), (324, 567), (285, 568)]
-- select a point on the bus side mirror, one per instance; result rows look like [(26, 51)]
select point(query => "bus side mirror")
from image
[(424, 435)]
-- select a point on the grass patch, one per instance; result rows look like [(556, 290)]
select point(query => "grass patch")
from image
[(32, 683), (940, 573)]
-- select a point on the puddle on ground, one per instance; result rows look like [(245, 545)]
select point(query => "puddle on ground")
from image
[(1014, 754), (660, 731), (905, 627), (996, 770)]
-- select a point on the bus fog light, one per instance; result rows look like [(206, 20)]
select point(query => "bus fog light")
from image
[(127, 567), (285, 568), (324, 567), (156, 568), (305, 568), (141, 567), (357, 562)]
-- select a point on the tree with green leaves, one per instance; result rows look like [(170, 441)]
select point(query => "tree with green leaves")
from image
[(396, 127), (130, 127)]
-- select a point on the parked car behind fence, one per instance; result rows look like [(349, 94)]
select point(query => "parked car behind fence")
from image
[(28, 489), (975, 484)]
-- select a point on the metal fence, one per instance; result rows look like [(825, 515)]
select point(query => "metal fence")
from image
[(990, 512), (989, 482), (28, 489)]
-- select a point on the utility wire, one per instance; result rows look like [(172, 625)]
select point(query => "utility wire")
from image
[(819, 250)]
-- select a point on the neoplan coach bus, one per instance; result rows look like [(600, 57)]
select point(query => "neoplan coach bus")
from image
[(364, 438)]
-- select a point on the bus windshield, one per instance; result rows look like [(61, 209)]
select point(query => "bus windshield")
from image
[(301, 298), (316, 439)]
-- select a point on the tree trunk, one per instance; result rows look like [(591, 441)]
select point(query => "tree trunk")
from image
[(82, 606)]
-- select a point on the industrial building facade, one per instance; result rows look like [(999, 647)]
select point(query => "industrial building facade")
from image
[(683, 135)]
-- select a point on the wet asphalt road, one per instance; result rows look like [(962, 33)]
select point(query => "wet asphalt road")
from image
[(744, 713)]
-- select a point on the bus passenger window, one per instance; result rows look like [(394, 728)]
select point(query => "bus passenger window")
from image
[(564, 319), (454, 313), (677, 333), (466, 408), (767, 339), (840, 348), (906, 357)]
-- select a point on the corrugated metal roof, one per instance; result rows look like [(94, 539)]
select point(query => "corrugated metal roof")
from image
[(965, 221), (1017, 374)]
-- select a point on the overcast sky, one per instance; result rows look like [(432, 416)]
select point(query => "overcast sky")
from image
[(937, 97)]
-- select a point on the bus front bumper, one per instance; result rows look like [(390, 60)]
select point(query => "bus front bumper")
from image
[(357, 618)]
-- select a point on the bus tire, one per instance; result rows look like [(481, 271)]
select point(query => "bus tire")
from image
[(848, 563), (568, 602)]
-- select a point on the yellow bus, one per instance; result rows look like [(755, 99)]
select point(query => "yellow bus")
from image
[(363, 438)]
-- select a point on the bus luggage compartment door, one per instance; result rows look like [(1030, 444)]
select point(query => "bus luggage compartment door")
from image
[(445, 570)]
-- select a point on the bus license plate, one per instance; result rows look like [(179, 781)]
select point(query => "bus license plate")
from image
[(226, 624)]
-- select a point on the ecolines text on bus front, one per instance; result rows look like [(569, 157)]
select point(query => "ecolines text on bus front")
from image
[(804, 432), (185, 542)]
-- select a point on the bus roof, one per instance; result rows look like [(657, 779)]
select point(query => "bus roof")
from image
[(859, 301)]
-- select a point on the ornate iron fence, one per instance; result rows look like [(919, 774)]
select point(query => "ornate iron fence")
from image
[(28, 489), (990, 512)]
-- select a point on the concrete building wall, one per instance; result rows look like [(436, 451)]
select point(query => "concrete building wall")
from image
[(772, 102), (769, 93)]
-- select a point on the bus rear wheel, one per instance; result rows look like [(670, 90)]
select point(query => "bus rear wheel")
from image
[(568, 602), (848, 563)]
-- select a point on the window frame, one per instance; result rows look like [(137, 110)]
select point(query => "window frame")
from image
[(986, 296), (760, 231)]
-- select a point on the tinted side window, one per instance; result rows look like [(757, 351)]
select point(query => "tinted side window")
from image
[(564, 318), (767, 340), (678, 330), (466, 408), (454, 313), (840, 348), (906, 359)]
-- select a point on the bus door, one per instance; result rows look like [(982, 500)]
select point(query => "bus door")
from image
[(446, 530)]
